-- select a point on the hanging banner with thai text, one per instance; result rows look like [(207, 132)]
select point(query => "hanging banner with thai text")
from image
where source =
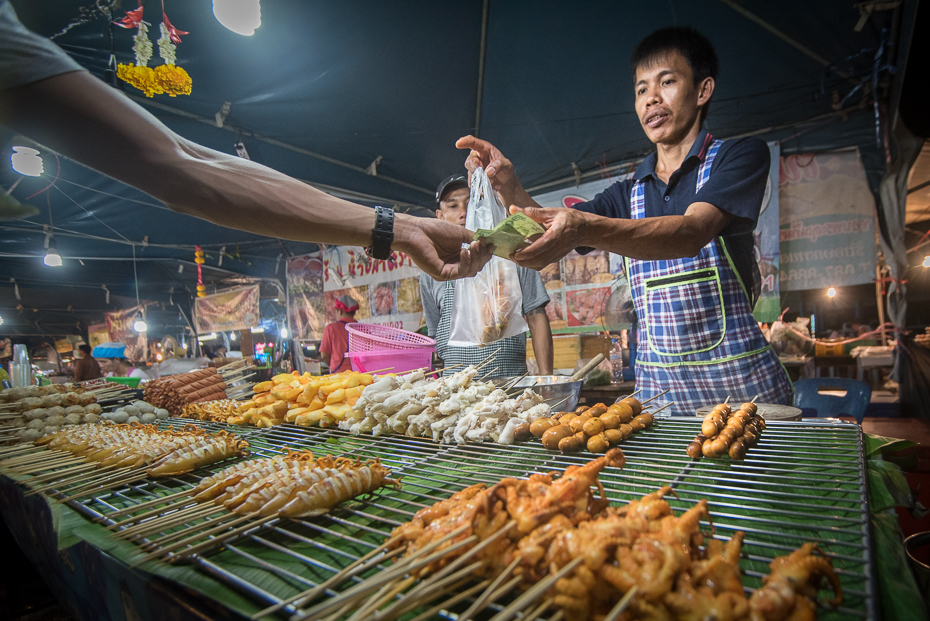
[(388, 292), (233, 309), (827, 221), (305, 311), (97, 334), (119, 326)]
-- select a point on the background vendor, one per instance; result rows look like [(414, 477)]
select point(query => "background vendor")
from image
[(438, 299), (86, 366), (335, 342), (684, 222), (113, 361)]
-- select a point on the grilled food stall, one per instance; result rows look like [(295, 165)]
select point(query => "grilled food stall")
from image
[(347, 538)]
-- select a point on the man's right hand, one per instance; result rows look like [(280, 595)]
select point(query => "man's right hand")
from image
[(498, 168), (437, 247)]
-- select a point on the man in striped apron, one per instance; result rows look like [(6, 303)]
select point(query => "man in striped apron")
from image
[(684, 224)]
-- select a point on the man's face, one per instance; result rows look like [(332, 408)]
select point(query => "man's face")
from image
[(667, 99), (453, 206)]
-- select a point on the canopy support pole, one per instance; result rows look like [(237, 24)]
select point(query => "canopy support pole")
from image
[(481, 56)]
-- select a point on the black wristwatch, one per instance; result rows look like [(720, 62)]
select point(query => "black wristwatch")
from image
[(383, 234)]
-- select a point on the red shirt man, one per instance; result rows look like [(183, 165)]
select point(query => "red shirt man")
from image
[(335, 338)]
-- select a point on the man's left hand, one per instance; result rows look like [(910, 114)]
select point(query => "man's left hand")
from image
[(563, 234)]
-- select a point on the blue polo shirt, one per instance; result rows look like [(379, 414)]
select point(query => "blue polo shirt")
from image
[(737, 186)]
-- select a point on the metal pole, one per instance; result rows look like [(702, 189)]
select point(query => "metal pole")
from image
[(483, 50), (880, 301)]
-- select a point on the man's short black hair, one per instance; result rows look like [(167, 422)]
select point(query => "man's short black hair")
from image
[(695, 47), (84, 347)]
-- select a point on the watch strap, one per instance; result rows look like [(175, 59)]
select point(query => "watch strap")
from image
[(382, 236)]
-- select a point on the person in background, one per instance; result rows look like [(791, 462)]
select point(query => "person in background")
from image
[(113, 361), (439, 298), (85, 366), (335, 342), (50, 98)]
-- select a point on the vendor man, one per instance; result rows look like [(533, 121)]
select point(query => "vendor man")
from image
[(438, 300), (684, 223), (113, 361)]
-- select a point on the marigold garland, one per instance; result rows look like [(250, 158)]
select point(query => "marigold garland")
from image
[(167, 79)]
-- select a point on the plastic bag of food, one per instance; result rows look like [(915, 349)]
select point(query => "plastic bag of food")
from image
[(488, 307)]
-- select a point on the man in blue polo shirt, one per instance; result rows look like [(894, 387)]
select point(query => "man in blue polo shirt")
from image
[(684, 224)]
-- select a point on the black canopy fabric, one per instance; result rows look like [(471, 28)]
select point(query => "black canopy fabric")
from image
[(324, 89)]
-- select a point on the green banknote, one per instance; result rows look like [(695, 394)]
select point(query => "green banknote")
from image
[(512, 234)]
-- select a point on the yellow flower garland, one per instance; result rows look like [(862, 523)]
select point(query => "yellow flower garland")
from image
[(173, 80)]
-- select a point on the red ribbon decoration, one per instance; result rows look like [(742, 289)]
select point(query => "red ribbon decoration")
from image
[(132, 19), (173, 32)]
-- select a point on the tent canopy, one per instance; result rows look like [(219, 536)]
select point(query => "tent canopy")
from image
[(324, 89)]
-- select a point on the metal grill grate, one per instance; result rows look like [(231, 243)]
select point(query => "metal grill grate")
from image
[(803, 482)]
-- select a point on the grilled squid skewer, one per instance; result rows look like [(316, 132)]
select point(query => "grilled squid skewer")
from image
[(342, 485), (198, 454)]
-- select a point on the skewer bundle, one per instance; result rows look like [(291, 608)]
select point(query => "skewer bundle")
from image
[(217, 411), (457, 408), (725, 432), (594, 428), (31, 417), (161, 453), (292, 485), (304, 400), (9, 395), (586, 560), (176, 391)]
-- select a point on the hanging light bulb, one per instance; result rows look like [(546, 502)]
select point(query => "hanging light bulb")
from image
[(52, 258), (26, 161), (1, 321), (139, 325), (926, 262), (232, 336), (240, 16), (831, 292), (283, 333)]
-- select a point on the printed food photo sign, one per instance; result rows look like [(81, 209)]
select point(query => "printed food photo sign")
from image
[(388, 292), (234, 309), (580, 286)]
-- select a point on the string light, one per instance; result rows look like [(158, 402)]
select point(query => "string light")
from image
[(831, 292), (283, 333), (26, 161), (240, 16)]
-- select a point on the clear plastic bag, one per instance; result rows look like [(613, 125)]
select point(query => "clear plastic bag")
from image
[(488, 307)]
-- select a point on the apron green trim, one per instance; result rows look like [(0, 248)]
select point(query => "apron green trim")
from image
[(739, 279), (705, 363), (723, 310)]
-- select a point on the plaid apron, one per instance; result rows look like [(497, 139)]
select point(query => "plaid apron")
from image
[(697, 336), (510, 360)]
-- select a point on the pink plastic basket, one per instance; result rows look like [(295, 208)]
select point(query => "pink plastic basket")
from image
[(371, 337), (395, 360)]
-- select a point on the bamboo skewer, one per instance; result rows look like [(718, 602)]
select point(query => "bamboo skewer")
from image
[(166, 522), (484, 598), (655, 397), (489, 373), (171, 508), (442, 577), (214, 541), (144, 505), (622, 605), (532, 594), (488, 360), (106, 485), (429, 614), (534, 614), (57, 473), (383, 596), (727, 400), (207, 522), (409, 564), (355, 567), (426, 591), (76, 479), (754, 399), (163, 551)]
